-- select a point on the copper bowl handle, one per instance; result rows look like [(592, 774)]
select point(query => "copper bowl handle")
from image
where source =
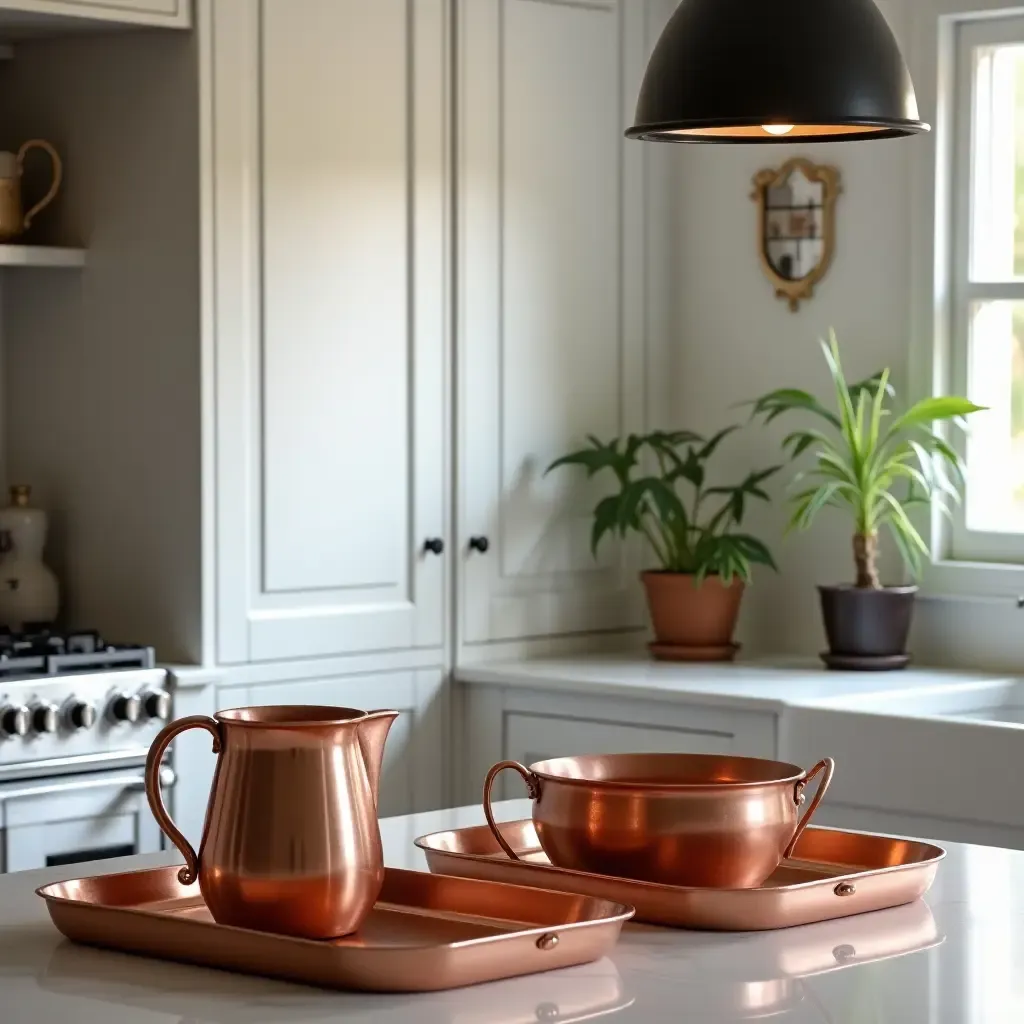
[(826, 765), (532, 786)]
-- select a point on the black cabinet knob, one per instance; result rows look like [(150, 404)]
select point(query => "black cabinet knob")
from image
[(435, 546), (480, 544)]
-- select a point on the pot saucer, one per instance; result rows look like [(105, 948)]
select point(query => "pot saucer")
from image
[(865, 662), (679, 652)]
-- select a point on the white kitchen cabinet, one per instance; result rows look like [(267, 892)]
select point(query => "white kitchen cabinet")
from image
[(524, 725), (159, 13), (415, 759), (329, 233), (551, 293)]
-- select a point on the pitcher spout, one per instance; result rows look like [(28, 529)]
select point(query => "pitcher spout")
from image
[(373, 734)]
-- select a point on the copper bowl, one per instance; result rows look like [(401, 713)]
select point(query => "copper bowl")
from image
[(676, 819)]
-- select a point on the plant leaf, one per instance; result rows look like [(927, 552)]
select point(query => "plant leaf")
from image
[(908, 551), (753, 550), (932, 410), (882, 389), (709, 448), (606, 519), (843, 399), (784, 400), (907, 528)]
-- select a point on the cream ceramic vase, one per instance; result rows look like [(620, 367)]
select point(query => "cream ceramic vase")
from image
[(29, 591)]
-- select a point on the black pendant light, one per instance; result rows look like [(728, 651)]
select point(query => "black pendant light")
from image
[(776, 71)]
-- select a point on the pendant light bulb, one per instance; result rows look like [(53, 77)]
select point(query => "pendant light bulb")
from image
[(778, 129)]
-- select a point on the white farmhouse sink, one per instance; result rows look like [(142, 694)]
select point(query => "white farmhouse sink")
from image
[(942, 762), (997, 701)]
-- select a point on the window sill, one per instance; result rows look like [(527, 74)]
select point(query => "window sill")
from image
[(989, 581)]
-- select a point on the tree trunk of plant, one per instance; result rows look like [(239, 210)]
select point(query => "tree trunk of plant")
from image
[(865, 555)]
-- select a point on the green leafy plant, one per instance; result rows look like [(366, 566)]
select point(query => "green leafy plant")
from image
[(698, 536), (870, 463)]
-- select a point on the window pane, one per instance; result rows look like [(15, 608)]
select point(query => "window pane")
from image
[(995, 444), (997, 206)]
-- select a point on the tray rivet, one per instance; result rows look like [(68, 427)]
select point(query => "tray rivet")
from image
[(845, 953), (548, 941), (845, 889)]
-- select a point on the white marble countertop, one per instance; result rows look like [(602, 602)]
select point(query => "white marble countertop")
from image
[(769, 683), (956, 958)]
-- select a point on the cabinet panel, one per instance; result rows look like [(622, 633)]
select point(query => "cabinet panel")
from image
[(413, 777), (171, 13), (531, 725), (551, 335), (330, 347), (533, 738)]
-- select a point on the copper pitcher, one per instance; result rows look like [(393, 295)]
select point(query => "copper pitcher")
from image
[(291, 842), (14, 219), (676, 819)]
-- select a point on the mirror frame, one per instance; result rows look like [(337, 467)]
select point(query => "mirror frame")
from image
[(830, 178)]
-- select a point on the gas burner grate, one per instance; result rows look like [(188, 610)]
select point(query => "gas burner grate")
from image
[(41, 650)]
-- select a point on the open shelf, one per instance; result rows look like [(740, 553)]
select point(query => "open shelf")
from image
[(40, 256)]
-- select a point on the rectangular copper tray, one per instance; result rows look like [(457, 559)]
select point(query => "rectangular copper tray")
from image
[(427, 932), (832, 874)]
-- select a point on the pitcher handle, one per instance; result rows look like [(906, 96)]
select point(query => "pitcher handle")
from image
[(190, 872), (532, 787), (58, 176), (828, 766)]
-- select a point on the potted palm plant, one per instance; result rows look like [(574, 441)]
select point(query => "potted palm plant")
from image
[(704, 558), (874, 466)]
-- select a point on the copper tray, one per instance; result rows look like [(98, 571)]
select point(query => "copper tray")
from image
[(427, 932), (832, 874)]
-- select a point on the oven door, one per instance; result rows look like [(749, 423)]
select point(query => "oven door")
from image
[(73, 818)]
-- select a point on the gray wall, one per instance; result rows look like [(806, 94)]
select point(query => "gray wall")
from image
[(101, 410)]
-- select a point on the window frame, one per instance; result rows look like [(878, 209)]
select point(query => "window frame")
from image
[(962, 543), (935, 29)]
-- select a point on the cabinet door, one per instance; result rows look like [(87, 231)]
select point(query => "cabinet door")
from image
[(414, 773), (168, 13), (551, 324), (329, 199)]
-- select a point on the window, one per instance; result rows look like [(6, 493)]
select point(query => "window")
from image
[(987, 302)]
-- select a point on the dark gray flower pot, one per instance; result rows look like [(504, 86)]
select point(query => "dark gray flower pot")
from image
[(868, 624)]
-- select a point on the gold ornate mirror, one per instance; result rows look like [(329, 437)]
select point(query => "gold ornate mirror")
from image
[(796, 225)]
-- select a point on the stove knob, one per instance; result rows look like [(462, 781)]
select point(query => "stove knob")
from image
[(14, 721), (45, 717), (81, 715), (157, 704), (126, 707)]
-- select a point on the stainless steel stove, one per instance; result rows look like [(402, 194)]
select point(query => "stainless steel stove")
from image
[(77, 716)]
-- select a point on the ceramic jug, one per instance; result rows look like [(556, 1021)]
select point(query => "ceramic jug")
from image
[(291, 842), (28, 588), (14, 220)]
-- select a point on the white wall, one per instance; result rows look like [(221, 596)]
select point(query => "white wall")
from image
[(738, 340)]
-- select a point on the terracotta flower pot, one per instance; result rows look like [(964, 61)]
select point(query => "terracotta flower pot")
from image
[(696, 616)]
